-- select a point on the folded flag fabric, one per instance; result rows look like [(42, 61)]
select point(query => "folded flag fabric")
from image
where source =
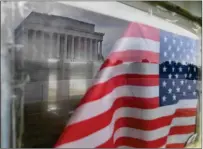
[(143, 96)]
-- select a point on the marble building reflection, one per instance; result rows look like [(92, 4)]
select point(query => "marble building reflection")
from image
[(58, 48)]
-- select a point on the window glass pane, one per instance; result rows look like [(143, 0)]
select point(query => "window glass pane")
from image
[(57, 53)]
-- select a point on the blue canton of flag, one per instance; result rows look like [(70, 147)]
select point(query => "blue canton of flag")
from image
[(178, 72)]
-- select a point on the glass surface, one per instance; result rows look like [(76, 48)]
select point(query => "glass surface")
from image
[(55, 51)]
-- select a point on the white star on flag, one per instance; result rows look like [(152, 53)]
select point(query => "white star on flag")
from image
[(169, 76), (164, 84), (178, 89), (194, 93), (165, 39), (181, 43), (174, 97), (165, 54), (176, 76), (169, 90), (169, 47), (164, 69), (188, 57), (164, 98), (173, 55), (173, 83)]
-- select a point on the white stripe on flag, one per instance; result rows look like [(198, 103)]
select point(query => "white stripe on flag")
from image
[(142, 134), (127, 68), (149, 114), (135, 43), (182, 138), (184, 121)]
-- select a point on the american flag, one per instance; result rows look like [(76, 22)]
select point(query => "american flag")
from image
[(143, 96)]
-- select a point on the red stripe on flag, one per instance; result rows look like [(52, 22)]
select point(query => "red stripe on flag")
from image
[(110, 63), (137, 143), (186, 112), (144, 124), (99, 90), (143, 31), (176, 145), (182, 129)]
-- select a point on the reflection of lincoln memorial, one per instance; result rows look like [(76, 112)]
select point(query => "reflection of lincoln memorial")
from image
[(58, 48)]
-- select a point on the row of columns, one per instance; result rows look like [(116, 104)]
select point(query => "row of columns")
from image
[(86, 48), (55, 45)]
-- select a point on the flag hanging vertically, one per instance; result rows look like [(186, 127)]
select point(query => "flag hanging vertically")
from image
[(143, 96)]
